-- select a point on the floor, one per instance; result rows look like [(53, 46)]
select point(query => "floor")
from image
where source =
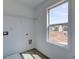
[(33, 54)]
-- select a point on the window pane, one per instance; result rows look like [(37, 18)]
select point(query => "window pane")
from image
[(58, 34), (59, 14)]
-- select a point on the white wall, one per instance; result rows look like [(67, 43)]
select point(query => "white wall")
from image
[(52, 50), (17, 20), (16, 40)]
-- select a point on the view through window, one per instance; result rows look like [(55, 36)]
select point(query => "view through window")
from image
[(58, 24)]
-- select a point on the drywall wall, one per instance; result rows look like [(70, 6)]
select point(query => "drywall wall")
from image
[(72, 26), (18, 20), (17, 40), (48, 49)]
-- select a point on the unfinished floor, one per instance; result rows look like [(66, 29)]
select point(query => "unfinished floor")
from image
[(33, 54)]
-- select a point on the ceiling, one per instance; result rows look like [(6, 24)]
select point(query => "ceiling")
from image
[(31, 3), (21, 7)]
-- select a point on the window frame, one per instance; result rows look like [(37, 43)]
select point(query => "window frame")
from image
[(47, 34)]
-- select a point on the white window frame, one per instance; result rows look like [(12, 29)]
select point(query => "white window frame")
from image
[(47, 34)]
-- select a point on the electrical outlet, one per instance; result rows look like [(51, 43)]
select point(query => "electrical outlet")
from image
[(30, 41)]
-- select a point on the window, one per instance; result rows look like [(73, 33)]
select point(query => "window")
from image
[(57, 22)]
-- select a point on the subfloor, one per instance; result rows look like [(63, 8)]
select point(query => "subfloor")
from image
[(33, 54)]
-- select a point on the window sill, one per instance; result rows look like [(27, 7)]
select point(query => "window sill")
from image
[(59, 44)]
